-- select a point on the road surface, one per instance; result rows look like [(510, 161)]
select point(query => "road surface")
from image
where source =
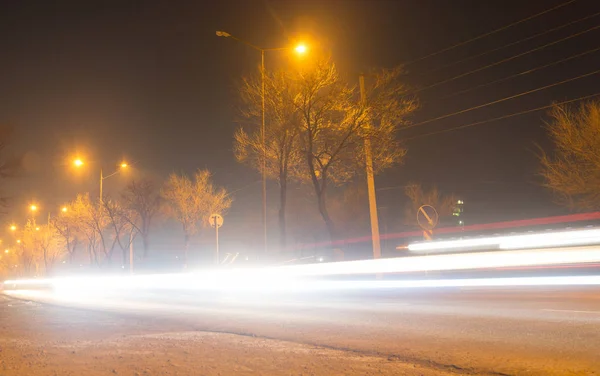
[(483, 331)]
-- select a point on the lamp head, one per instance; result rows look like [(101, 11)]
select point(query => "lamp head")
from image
[(301, 49)]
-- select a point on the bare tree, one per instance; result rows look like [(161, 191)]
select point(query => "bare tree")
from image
[(573, 171), (191, 202), (51, 244), (142, 199), (123, 230), (92, 222), (334, 124), (443, 204), (280, 148), (9, 263), (68, 227), (28, 250)]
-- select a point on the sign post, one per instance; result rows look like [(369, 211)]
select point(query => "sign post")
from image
[(216, 221), (428, 218)]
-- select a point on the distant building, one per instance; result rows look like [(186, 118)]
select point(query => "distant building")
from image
[(458, 212)]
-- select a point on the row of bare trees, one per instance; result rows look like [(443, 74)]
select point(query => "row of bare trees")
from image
[(36, 251), (100, 228), (316, 126)]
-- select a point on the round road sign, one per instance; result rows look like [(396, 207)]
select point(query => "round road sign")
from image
[(215, 220), (427, 217)]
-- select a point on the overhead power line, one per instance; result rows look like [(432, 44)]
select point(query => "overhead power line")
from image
[(503, 99), (516, 42), (502, 117), (491, 32), (525, 72), (508, 59), (244, 187)]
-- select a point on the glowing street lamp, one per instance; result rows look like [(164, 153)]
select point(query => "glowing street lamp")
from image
[(6, 251), (78, 163), (33, 208), (13, 228), (18, 241), (300, 49), (64, 209)]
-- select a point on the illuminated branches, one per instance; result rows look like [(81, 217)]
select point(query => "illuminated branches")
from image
[(573, 171), (191, 201)]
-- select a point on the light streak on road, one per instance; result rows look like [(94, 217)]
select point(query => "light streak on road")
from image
[(94, 297), (447, 262), (300, 277), (538, 240), (294, 277)]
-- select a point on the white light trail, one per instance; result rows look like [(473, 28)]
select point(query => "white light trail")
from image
[(132, 298), (289, 278), (545, 239), (466, 261)]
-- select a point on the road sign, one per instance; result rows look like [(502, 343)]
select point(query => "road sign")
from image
[(427, 217), (215, 220)]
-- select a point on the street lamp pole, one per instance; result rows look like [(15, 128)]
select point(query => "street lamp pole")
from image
[(370, 178), (264, 151), (299, 49), (102, 177)]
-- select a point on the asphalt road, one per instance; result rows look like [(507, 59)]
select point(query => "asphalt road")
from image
[(517, 331), (46, 340)]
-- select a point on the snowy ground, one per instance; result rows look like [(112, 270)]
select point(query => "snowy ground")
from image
[(41, 340)]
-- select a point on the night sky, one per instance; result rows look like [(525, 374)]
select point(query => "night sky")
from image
[(149, 81)]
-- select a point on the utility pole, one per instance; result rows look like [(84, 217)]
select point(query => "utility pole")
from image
[(264, 153), (370, 178)]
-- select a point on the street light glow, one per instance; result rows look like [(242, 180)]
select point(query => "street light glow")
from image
[(301, 48), (78, 162), (64, 209), (6, 251), (123, 165), (18, 241), (13, 228), (33, 207)]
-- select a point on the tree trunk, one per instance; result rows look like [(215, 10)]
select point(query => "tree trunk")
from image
[(186, 247), (69, 251), (282, 207), (145, 243), (46, 262), (125, 256), (320, 189), (325, 215), (72, 253), (90, 254)]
